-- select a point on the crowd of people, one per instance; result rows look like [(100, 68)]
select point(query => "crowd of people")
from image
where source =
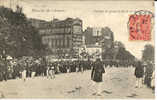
[(31, 67), (145, 74)]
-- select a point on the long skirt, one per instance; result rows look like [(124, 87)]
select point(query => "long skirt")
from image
[(32, 74), (51, 73), (153, 83), (24, 75), (68, 70), (153, 80)]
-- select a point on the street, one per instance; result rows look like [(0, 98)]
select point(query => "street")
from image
[(118, 83)]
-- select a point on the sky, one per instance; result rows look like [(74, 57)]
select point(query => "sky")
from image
[(114, 15)]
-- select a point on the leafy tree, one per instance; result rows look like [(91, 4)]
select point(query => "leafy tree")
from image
[(118, 52), (124, 55), (108, 54), (148, 53), (17, 36), (119, 44), (107, 33)]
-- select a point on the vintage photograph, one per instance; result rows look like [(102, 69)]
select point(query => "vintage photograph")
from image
[(77, 49)]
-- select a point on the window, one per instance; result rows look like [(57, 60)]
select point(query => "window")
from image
[(61, 43), (52, 43), (77, 29)]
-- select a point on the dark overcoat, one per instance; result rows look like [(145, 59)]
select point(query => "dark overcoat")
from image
[(97, 71), (139, 70)]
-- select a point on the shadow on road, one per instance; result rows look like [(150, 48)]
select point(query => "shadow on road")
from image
[(72, 91), (1, 95), (105, 91), (132, 95)]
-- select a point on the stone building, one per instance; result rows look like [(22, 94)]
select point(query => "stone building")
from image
[(100, 36), (63, 37), (103, 36)]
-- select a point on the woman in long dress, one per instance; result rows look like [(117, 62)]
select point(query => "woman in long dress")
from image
[(153, 80), (24, 74), (97, 75), (139, 72)]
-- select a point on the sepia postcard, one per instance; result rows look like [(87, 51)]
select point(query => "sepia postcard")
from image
[(81, 49)]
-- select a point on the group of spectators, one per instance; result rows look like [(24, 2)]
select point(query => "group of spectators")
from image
[(145, 74), (31, 67), (14, 68), (117, 63)]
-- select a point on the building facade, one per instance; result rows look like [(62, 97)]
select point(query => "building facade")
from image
[(63, 37), (94, 51), (101, 36)]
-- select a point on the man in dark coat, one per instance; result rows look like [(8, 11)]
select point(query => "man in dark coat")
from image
[(139, 72), (5, 70), (148, 74), (97, 74), (2, 66)]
